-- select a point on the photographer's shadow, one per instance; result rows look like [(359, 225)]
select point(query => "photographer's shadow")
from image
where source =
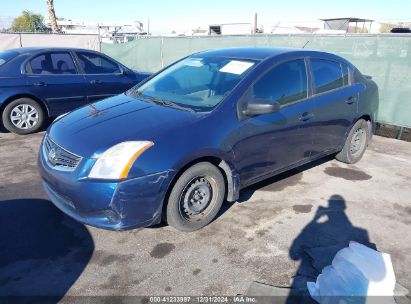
[(42, 252), (315, 247)]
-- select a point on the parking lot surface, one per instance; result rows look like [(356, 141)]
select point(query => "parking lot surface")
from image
[(259, 238)]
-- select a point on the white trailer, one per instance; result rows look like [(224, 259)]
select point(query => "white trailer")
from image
[(231, 29)]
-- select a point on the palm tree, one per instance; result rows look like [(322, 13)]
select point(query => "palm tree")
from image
[(52, 16)]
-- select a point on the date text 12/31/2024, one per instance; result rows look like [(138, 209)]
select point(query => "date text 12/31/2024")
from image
[(203, 299)]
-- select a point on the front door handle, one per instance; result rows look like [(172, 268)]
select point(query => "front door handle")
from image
[(40, 84), (350, 100), (306, 116), (95, 81)]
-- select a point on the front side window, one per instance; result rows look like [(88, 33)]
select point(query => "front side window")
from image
[(327, 75), (284, 84), (195, 83), (6, 56), (52, 63), (96, 64)]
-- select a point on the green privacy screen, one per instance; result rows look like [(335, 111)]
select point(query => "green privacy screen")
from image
[(387, 58)]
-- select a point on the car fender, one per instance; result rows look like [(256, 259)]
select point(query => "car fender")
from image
[(222, 159)]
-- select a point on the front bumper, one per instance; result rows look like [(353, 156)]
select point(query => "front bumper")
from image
[(128, 204)]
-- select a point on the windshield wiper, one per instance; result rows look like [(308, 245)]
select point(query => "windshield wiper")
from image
[(171, 104), (163, 102)]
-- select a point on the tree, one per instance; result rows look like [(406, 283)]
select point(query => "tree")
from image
[(28, 22), (52, 16)]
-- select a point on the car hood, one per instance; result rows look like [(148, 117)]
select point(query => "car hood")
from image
[(92, 129)]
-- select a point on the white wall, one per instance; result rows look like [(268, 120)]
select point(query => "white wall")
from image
[(8, 41)]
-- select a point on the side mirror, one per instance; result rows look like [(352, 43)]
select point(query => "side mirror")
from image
[(258, 106)]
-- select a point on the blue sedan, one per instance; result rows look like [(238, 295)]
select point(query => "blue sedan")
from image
[(36, 83), (193, 135)]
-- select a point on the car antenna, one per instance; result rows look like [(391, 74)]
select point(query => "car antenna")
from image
[(308, 41)]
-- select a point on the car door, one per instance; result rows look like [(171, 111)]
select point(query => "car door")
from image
[(105, 77), (336, 104), (276, 141), (53, 76)]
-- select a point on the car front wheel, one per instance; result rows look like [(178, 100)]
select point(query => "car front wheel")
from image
[(356, 143), (196, 197), (23, 116)]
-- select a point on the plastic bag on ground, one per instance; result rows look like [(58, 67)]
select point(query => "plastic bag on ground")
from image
[(356, 272)]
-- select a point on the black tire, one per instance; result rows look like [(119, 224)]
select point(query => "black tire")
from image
[(184, 209), (30, 125), (356, 143)]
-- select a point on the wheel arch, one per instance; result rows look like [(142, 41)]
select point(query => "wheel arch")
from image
[(11, 98), (368, 119), (371, 124), (231, 177)]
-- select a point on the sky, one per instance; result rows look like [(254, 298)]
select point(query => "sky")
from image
[(185, 14)]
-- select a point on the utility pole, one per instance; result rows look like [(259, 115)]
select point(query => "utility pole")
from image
[(255, 24), (148, 27)]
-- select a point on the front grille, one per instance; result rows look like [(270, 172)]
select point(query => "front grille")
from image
[(58, 157)]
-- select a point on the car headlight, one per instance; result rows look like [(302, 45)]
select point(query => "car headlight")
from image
[(115, 163)]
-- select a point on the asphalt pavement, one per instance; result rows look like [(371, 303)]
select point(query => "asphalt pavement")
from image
[(266, 236)]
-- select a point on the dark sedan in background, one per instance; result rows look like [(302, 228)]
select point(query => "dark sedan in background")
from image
[(36, 83)]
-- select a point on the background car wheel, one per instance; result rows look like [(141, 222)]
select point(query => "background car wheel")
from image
[(356, 143), (196, 197), (23, 116)]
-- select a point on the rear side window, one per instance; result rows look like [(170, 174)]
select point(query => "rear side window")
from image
[(7, 56), (284, 84), (96, 64), (327, 75), (52, 63)]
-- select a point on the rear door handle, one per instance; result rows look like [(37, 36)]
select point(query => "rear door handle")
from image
[(95, 81), (40, 84), (306, 116), (350, 100)]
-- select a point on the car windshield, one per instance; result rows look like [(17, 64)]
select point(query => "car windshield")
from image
[(197, 84), (6, 56)]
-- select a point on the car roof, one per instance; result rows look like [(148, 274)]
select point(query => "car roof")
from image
[(262, 53), (33, 50)]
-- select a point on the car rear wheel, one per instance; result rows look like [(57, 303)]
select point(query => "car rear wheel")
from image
[(23, 116), (356, 143), (196, 197)]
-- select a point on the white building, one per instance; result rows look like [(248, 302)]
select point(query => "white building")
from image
[(109, 32)]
